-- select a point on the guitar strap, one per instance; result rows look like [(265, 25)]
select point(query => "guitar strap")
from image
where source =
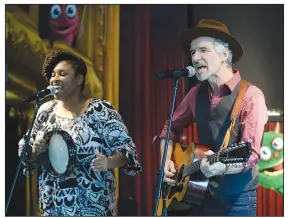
[(235, 113)]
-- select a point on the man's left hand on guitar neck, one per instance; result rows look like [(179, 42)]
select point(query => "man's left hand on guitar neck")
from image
[(217, 168)]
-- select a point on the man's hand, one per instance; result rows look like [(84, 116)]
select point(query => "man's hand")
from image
[(215, 169), (169, 171)]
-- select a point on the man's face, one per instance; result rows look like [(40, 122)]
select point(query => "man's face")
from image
[(206, 61), (65, 79)]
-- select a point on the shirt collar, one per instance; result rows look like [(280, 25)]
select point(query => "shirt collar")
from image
[(232, 83)]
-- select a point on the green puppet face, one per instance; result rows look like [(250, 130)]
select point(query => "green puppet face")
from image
[(271, 162)]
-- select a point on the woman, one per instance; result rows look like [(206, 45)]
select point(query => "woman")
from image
[(101, 138)]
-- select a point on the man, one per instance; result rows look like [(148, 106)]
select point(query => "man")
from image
[(231, 191)]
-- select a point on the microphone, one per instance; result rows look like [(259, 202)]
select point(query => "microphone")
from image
[(188, 72), (50, 90)]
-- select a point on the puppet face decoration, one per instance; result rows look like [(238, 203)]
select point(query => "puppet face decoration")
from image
[(271, 161), (63, 19)]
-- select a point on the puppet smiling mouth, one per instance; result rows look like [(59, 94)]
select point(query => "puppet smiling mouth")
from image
[(61, 28), (275, 170)]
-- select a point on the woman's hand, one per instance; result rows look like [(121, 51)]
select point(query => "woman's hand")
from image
[(100, 163)]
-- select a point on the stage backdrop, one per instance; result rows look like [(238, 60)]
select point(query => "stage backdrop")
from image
[(148, 45)]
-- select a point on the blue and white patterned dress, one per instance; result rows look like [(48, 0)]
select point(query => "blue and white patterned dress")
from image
[(85, 192)]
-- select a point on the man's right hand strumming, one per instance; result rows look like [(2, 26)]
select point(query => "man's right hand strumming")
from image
[(169, 172), (169, 169)]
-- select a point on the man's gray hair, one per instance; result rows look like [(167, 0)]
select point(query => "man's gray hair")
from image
[(220, 47)]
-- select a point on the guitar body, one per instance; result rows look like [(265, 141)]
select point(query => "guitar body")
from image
[(191, 186), (187, 189)]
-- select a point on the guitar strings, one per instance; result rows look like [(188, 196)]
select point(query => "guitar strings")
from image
[(195, 166)]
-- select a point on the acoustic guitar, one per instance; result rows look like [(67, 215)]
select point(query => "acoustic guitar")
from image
[(189, 188)]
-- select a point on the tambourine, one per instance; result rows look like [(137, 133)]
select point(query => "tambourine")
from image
[(60, 158)]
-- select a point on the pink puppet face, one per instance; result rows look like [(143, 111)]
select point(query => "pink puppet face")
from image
[(63, 19)]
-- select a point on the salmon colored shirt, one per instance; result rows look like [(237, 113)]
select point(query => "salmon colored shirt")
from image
[(253, 114)]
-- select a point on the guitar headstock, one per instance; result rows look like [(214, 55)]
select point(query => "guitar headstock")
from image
[(236, 153)]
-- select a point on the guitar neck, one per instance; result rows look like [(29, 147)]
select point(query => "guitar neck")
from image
[(195, 166)]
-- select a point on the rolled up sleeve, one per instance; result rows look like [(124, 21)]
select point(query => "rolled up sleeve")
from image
[(253, 119)]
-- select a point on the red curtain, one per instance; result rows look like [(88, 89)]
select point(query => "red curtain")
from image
[(147, 46), (145, 49)]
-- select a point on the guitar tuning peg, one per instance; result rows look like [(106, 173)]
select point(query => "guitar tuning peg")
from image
[(157, 172)]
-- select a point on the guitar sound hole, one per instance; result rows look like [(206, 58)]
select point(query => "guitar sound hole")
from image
[(179, 182), (175, 189), (179, 187), (180, 174)]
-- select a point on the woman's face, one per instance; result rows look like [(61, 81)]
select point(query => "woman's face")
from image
[(65, 80)]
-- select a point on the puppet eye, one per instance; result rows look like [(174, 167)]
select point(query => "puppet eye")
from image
[(277, 143), (55, 11), (265, 153), (71, 11)]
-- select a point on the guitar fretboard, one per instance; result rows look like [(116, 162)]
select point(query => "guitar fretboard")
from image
[(195, 166)]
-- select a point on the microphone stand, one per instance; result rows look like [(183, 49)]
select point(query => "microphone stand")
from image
[(27, 150), (163, 186)]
